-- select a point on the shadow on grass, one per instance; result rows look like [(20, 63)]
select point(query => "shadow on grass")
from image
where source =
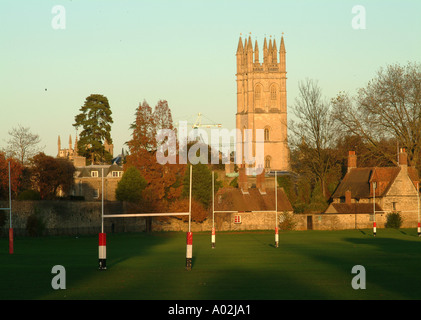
[(27, 273)]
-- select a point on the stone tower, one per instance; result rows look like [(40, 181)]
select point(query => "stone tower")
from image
[(262, 99)]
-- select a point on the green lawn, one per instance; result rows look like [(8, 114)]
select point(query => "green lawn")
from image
[(244, 265)]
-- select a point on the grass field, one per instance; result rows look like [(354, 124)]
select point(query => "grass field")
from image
[(243, 266)]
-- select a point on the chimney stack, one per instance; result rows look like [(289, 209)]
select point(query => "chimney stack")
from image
[(348, 197), (403, 157), (242, 179), (352, 160), (260, 182)]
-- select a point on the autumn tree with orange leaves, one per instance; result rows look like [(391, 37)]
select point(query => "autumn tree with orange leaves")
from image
[(16, 170), (164, 182)]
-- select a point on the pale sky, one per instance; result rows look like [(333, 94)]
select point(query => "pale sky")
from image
[(182, 52)]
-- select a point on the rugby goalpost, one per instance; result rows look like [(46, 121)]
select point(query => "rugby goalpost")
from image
[(10, 215), (102, 255), (228, 211)]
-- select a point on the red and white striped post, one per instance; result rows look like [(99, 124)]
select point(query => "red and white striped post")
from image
[(102, 252), (189, 251), (213, 238), (213, 212), (276, 238), (418, 213), (10, 216), (102, 244), (374, 208), (10, 240), (276, 212)]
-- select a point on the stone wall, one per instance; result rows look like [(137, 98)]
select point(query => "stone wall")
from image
[(82, 217), (328, 221), (68, 217)]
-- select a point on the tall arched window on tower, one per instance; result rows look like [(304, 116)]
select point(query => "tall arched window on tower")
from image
[(273, 92), (267, 131), (258, 92)]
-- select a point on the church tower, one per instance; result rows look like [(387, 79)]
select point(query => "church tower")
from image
[(262, 100)]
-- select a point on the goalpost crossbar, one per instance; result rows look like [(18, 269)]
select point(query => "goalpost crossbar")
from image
[(246, 211), (128, 215)]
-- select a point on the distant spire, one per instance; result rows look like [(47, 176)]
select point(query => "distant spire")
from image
[(282, 48), (256, 52), (282, 54), (265, 50), (274, 52), (249, 45), (240, 46)]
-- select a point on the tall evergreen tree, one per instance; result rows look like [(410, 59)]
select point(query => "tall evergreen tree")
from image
[(95, 120)]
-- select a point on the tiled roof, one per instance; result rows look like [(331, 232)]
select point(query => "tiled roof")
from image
[(358, 181), (355, 208), (85, 172), (233, 199)]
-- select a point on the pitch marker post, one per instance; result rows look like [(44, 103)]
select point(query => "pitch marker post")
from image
[(189, 249), (10, 215), (213, 213), (276, 213), (102, 246)]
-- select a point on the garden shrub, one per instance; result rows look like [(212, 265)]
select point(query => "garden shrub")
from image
[(394, 220), (287, 221)]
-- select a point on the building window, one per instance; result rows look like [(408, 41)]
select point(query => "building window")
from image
[(257, 92), (94, 173), (266, 134), (237, 218), (394, 206), (273, 93), (116, 173)]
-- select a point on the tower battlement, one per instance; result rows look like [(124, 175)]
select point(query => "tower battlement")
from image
[(248, 58)]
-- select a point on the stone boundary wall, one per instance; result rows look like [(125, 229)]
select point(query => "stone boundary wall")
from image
[(61, 217), (83, 217), (332, 221)]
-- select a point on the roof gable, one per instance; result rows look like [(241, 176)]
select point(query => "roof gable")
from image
[(232, 199)]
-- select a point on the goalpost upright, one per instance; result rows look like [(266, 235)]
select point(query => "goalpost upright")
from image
[(102, 235), (236, 211), (10, 214)]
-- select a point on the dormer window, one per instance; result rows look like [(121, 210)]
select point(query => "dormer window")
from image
[(94, 173)]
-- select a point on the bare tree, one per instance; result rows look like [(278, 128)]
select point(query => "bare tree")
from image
[(313, 134), (389, 107), (22, 144)]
